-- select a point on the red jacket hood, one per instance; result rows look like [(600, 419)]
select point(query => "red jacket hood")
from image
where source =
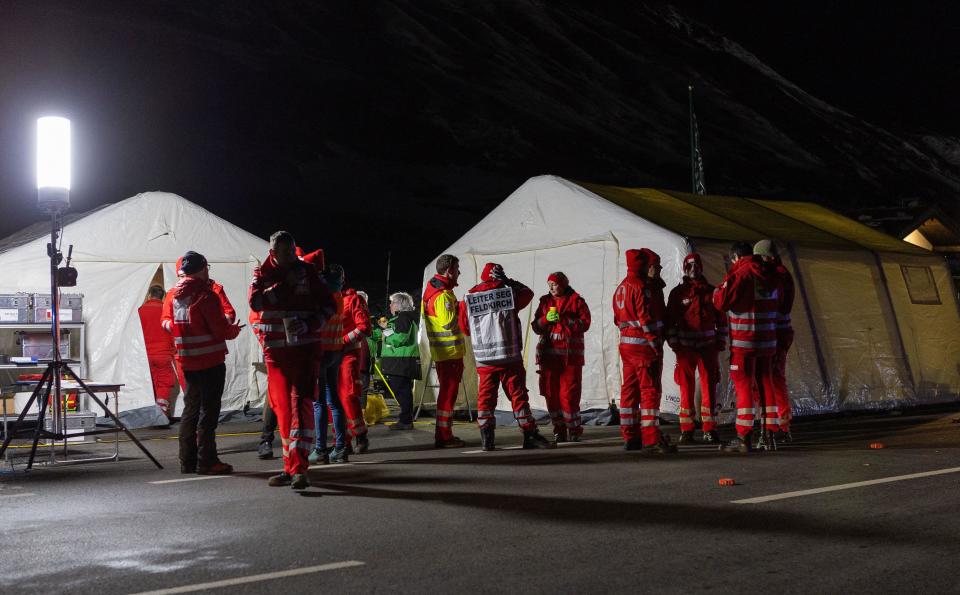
[(636, 260), (486, 275), (764, 274)]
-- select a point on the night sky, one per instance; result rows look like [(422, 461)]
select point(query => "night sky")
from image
[(242, 107)]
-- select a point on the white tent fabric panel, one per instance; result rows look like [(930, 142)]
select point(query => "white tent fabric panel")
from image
[(117, 250), (856, 328), (922, 296)]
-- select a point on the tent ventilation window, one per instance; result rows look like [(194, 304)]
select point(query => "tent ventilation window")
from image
[(920, 285)]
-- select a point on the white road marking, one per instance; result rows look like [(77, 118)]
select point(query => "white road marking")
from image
[(256, 578), (473, 452), (844, 486), (7, 496), (198, 478)]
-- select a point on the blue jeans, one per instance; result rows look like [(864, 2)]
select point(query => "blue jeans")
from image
[(330, 397)]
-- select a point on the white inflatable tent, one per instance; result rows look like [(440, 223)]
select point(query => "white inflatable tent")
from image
[(118, 250), (877, 322)]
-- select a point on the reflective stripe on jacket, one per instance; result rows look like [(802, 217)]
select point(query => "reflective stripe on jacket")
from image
[(439, 316), (750, 294), (561, 342), (640, 334), (692, 320)]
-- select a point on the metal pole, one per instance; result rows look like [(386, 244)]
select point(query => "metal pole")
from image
[(693, 150), (387, 299), (55, 326)]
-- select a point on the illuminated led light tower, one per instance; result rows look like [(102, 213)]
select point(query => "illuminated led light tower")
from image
[(53, 164)]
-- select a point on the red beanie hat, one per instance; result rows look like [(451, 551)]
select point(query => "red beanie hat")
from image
[(636, 259), (558, 278), (692, 257)]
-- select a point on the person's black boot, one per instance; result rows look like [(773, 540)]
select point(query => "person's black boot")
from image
[(661, 447), (534, 439), (711, 437), (487, 436), (686, 437), (363, 444), (560, 435), (633, 444), (740, 444)]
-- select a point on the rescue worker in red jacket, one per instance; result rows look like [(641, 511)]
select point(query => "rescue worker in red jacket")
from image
[(561, 319), (356, 329), (488, 315), (767, 250), (658, 307), (750, 295), (440, 318), (697, 333), (293, 304), (166, 317), (160, 350), (641, 355), (200, 331)]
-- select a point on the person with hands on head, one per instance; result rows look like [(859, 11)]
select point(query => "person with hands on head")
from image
[(200, 332), (561, 319), (489, 315)]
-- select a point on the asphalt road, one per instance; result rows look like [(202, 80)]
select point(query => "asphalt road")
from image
[(583, 518)]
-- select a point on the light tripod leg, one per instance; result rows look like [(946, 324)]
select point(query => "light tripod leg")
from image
[(41, 416), (16, 426), (115, 419)]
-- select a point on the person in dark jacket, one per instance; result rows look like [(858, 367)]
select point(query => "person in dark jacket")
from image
[(400, 355)]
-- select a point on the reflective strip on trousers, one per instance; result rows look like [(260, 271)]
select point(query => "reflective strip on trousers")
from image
[(753, 344), (444, 413), (759, 326), (433, 334), (202, 350), (753, 315), (745, 411), (193, 339), (745, 422)]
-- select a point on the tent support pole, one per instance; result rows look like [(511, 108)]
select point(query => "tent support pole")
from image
[(896, 324), (817, 347)]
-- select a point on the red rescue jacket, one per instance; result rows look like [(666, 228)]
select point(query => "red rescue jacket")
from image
[(750, 295), (199, 328), (356, 321), (561, 342), (522, 296), (634, 304), (158, 341), (298, 292), (692, 321)]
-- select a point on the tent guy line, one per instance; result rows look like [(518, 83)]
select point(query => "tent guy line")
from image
[(844, 486)]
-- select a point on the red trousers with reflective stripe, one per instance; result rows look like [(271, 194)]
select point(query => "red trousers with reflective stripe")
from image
[(291, 386), (349, 389), (782, 394), (561, 386), (640, 398), (449, 375), (162, 374), (706, 361), (513, 378), (748, 372)]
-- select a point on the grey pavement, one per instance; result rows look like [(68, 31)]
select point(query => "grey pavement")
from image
[(583, 518)]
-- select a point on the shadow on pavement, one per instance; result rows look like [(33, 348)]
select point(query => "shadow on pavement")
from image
[(618, 513)]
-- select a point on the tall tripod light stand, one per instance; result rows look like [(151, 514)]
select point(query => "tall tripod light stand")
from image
[(53, 187)]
